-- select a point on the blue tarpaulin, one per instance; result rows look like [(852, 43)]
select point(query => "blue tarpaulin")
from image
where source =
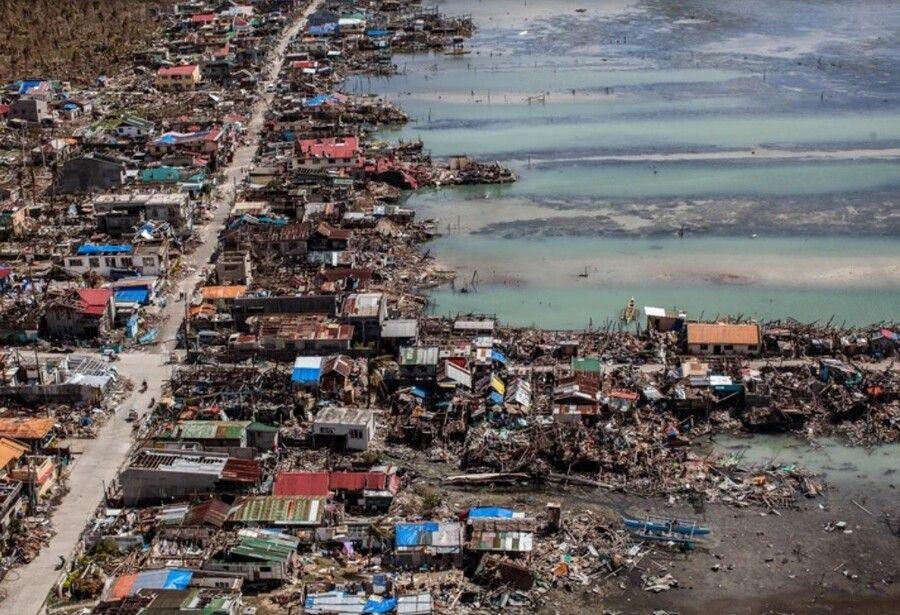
[(385, 605), (376, 32), (175, 578), (88, 249), (498, 356), (410, 534), (496, 397), (149, 337), (419, 392), (132, 295), (490, 512), (323, 30), (307, 370)]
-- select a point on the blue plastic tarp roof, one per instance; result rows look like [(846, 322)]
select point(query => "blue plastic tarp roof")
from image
[(175, 578), (496, 398), (498, 356), (132, 295), (490, 512), (385, 605), (326, 28), (306, 374), (419, 392), (88, 249), (375, 32), (411, 534)]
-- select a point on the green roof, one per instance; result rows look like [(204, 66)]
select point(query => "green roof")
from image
[(261, 427), (266, 549), (585, 364), (279, 510), (211, 430)]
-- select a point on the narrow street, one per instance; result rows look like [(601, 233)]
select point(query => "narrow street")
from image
[(26, 588)]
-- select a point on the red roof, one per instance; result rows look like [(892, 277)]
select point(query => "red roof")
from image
[(170, 71), (304, 64), (93, 301), (301, 483), (341, 147), (357, 481), (320, 483), (4, 109), (203, 18)]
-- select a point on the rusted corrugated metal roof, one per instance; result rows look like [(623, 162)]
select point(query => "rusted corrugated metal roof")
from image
[(26, 428), (241, 470), (213, 512)]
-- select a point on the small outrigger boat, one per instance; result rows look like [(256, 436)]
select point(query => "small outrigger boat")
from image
[(457, 48), (660, 529), (630, 313)]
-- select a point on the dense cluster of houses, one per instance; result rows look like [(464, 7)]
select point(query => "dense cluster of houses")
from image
[(309, 361)]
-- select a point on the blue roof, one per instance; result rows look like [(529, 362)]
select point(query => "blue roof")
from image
[(29, 84), (498, 356), (306, 374), (375, 32), (490, 512), (132, 295), (327, 28), (380, 605), (496, 398), (94, 248), (413, 534), (175, 578)]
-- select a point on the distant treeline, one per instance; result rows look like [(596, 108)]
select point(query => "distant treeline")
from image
[(72, 40)]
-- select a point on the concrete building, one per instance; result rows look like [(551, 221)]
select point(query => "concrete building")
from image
[(31, 110), (146, 259), (344, 428), (91, 173), (723, 339), (183, 77), (120, 214), (234, 267), (168, 475), (366, 312)]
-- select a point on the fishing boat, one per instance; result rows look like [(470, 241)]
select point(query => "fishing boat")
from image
[(660, 529), (630, 313)]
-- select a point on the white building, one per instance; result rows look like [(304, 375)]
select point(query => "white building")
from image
[(346, 428), (145, 259)]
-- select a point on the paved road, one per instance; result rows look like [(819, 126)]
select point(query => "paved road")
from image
[(27, 587)]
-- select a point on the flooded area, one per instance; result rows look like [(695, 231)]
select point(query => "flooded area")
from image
[(840, 464), (769, 133)]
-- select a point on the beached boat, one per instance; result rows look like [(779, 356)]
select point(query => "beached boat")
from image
[(630, 313)]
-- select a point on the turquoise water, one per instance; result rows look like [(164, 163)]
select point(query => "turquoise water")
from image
[(538, 281), (512, 129), (705, 180), (781, 122)]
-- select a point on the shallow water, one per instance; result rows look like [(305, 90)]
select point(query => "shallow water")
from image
[(838, 463), (662, 111)]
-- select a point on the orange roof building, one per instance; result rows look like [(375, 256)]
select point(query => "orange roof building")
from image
[(223, 293), (722, 338), (10, 452), (26, 429)]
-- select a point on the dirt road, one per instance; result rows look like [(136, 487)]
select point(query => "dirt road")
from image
[(26, 588)]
